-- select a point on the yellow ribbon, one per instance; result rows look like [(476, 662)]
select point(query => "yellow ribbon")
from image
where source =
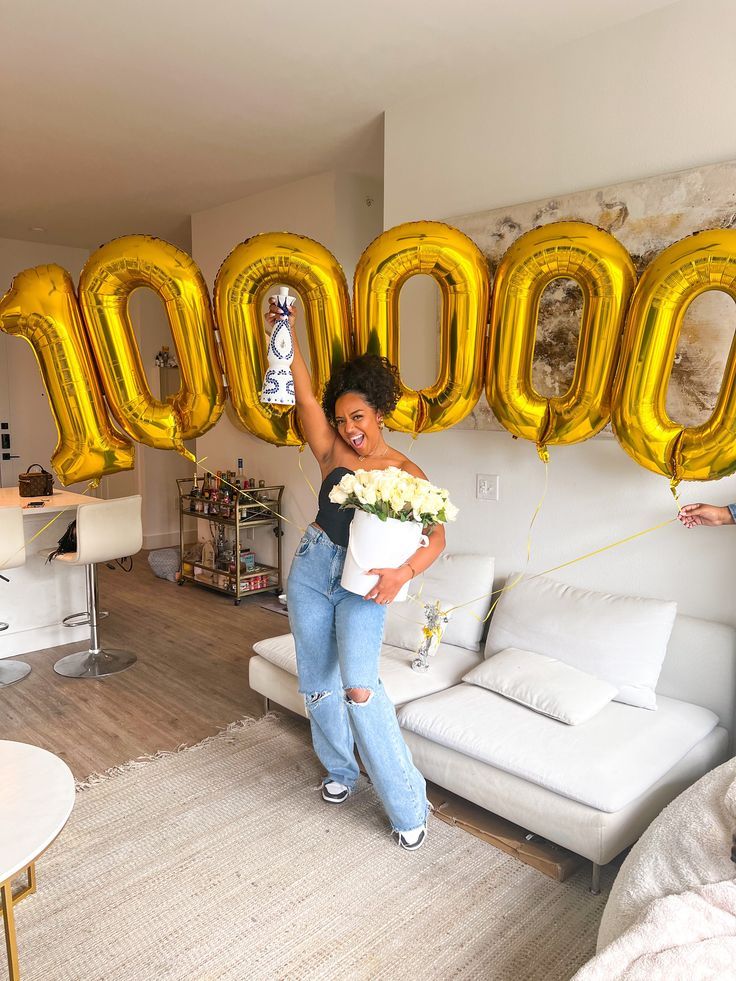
[(562, 565), (247, 493), (301, 468)]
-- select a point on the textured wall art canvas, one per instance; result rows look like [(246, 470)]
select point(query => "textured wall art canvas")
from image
[(645, 216)]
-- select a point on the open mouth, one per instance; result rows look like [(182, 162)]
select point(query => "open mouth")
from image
[(357, 441)]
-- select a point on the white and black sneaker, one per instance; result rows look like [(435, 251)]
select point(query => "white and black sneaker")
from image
[(334, 792), (411, 840)]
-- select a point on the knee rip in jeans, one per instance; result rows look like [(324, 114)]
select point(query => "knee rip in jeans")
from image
[(358, 696), (314, 698)]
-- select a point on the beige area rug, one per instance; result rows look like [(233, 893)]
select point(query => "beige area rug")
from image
[(223, 862)]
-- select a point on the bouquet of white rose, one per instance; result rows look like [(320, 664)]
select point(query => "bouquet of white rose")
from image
[(391, 509), (394, 493)]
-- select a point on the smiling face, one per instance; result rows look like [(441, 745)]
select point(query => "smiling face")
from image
[(357, 422)]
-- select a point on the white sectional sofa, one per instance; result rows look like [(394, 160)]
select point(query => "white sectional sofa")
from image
[(592, 787)]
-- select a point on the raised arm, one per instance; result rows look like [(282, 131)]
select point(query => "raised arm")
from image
[(317, 431)]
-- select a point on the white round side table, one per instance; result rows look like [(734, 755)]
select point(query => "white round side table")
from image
[(36, 799)]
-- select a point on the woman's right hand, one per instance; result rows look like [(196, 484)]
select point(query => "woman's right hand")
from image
[(276, 313), (692, 515)]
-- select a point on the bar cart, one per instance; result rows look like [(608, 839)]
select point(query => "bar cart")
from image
[(230, 568)]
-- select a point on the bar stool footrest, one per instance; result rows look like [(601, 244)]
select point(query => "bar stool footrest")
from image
[(82, 619)]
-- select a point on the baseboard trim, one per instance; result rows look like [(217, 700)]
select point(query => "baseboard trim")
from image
[(167, 539)]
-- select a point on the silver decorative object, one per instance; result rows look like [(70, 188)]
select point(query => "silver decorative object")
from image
[(435, 620)]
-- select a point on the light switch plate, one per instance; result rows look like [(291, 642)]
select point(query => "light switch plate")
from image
[(487, 486)]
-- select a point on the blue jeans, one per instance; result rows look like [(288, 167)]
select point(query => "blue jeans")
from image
[(338, 642)]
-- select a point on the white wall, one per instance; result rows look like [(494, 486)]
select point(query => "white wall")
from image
[(330, 208), (648, 97)]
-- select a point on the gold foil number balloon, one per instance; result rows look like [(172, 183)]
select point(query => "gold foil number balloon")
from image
[(242, 282), (461, 272), (704, 261), (111, 274), (605, 273), (41, 307)]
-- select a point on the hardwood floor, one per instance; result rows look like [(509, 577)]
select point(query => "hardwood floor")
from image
[(191, 678)]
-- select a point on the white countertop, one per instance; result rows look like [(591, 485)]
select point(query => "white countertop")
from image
[(60, 500)]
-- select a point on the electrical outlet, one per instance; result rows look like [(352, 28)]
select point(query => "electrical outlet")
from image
[(487, 486)]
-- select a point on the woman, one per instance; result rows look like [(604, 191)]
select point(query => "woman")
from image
[(338, 634)]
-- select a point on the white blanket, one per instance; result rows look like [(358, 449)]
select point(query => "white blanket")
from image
[(688, 845), (672, 911), (687, 936)]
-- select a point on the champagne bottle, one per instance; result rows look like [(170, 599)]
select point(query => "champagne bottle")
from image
[(206, 494)]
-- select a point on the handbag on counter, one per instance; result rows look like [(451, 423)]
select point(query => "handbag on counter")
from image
[(35, 484)]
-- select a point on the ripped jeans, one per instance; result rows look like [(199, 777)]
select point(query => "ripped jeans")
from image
[(338, 642)]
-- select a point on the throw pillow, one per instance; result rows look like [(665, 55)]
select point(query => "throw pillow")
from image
[(620, 639), (455, 580), (544, 684)]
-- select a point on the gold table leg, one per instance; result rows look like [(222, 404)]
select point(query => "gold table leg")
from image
[(8, 914)]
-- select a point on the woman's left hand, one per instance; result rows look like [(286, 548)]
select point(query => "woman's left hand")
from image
[(389, 583)]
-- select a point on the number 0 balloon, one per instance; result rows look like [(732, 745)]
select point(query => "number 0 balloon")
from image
[(461, 272), (704, 261), (108, 279), (605, 273)]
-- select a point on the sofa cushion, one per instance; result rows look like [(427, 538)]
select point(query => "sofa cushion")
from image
[(543, 684), (401, 682), (606, 763), (455, 580), (621, 639)]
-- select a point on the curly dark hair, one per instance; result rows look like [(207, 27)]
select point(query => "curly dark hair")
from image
[(372, 377)]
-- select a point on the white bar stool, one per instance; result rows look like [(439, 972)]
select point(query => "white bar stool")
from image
[(12, 554), (106, 530)]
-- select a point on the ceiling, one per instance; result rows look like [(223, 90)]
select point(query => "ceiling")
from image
[(128, 117)]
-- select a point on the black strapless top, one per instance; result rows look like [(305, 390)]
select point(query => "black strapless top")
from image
[(334, 521)]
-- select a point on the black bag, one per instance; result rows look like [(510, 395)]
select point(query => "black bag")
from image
[(39, 484), (67, 542)]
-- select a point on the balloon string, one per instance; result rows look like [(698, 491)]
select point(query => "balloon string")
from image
[(72, 507), (415, 597), (538, 508), (544, 457), (562, 565), (247, 494), (309, 483)]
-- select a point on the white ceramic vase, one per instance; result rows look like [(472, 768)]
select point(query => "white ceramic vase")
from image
[(376, 544)]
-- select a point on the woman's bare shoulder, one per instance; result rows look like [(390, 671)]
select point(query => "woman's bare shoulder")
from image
[(404, 463)]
